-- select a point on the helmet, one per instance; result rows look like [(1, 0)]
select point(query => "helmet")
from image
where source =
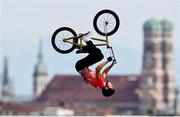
[(107, 91)]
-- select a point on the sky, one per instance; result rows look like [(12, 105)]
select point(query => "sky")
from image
[(24, 22)]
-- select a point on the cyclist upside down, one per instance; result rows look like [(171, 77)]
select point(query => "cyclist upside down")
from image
[(95, 78)]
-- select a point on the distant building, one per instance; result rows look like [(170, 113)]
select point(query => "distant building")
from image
[(40, 74), (6, 85), (0, 90), (158, 72), (53, 111), (33, 109), (71, 89)]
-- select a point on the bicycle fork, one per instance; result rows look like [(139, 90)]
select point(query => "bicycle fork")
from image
[(113, 55)]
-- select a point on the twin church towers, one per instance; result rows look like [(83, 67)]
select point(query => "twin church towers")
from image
[(157, 69)]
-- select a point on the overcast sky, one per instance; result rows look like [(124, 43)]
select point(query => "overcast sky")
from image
[(24, 22)]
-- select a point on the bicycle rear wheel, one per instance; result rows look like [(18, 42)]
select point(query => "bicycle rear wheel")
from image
[(57, 40), (106, 22)]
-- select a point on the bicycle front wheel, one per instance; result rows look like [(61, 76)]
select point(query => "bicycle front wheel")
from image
[(106, 22), (58, 42)]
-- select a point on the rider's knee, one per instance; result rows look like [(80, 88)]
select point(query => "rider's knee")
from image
[(99, 55), (78, 66)]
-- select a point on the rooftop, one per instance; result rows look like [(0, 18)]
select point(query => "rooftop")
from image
[(72, 88)]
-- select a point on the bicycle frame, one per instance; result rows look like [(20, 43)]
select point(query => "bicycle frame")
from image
[(92, 38)]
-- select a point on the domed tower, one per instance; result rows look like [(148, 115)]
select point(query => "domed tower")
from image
[(152, 72), (168, 80), (40, 74), (158, 81)]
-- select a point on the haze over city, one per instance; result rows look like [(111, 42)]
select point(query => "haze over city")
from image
[(23, 23)]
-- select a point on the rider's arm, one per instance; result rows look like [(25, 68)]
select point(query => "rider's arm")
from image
[(105, 72), (100, 66)]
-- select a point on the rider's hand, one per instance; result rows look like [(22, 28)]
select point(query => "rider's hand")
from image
[(114, 61), (109, 59)]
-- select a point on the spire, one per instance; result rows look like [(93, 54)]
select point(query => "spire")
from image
[(7, 86), (40, 73), (5, 74), (40, 55), (40, 67)]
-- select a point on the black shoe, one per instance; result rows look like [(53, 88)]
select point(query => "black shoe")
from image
[(80, 51), (85, 35)]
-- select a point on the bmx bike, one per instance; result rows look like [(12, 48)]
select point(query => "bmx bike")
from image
[(106, 23)]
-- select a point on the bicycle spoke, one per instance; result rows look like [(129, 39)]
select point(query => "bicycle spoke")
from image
[(67, 45), (101, 26), (59, 45), (104, 18), (62, 46), (107, 17), (66, 34), (61, 38), (102, 21), (110, 22), (110, 26), (63, 34)]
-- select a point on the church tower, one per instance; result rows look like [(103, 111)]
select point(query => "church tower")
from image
[(169, 77), (40, 74), (7, 86), (152, 66), (158, 72)]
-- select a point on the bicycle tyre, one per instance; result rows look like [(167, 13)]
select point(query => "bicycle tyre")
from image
[(61, 50), (117, 22)]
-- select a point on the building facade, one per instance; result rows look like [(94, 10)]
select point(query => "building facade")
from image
[(158, 72), (71, 89)]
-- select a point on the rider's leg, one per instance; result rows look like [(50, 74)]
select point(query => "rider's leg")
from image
[(90, 47), (85, 49), (106, 70), (94, 56)]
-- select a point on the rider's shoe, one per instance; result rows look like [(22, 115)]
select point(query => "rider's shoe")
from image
[(85, 37), (80, 51)]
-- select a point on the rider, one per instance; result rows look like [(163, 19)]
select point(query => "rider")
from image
[(95, 78)]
